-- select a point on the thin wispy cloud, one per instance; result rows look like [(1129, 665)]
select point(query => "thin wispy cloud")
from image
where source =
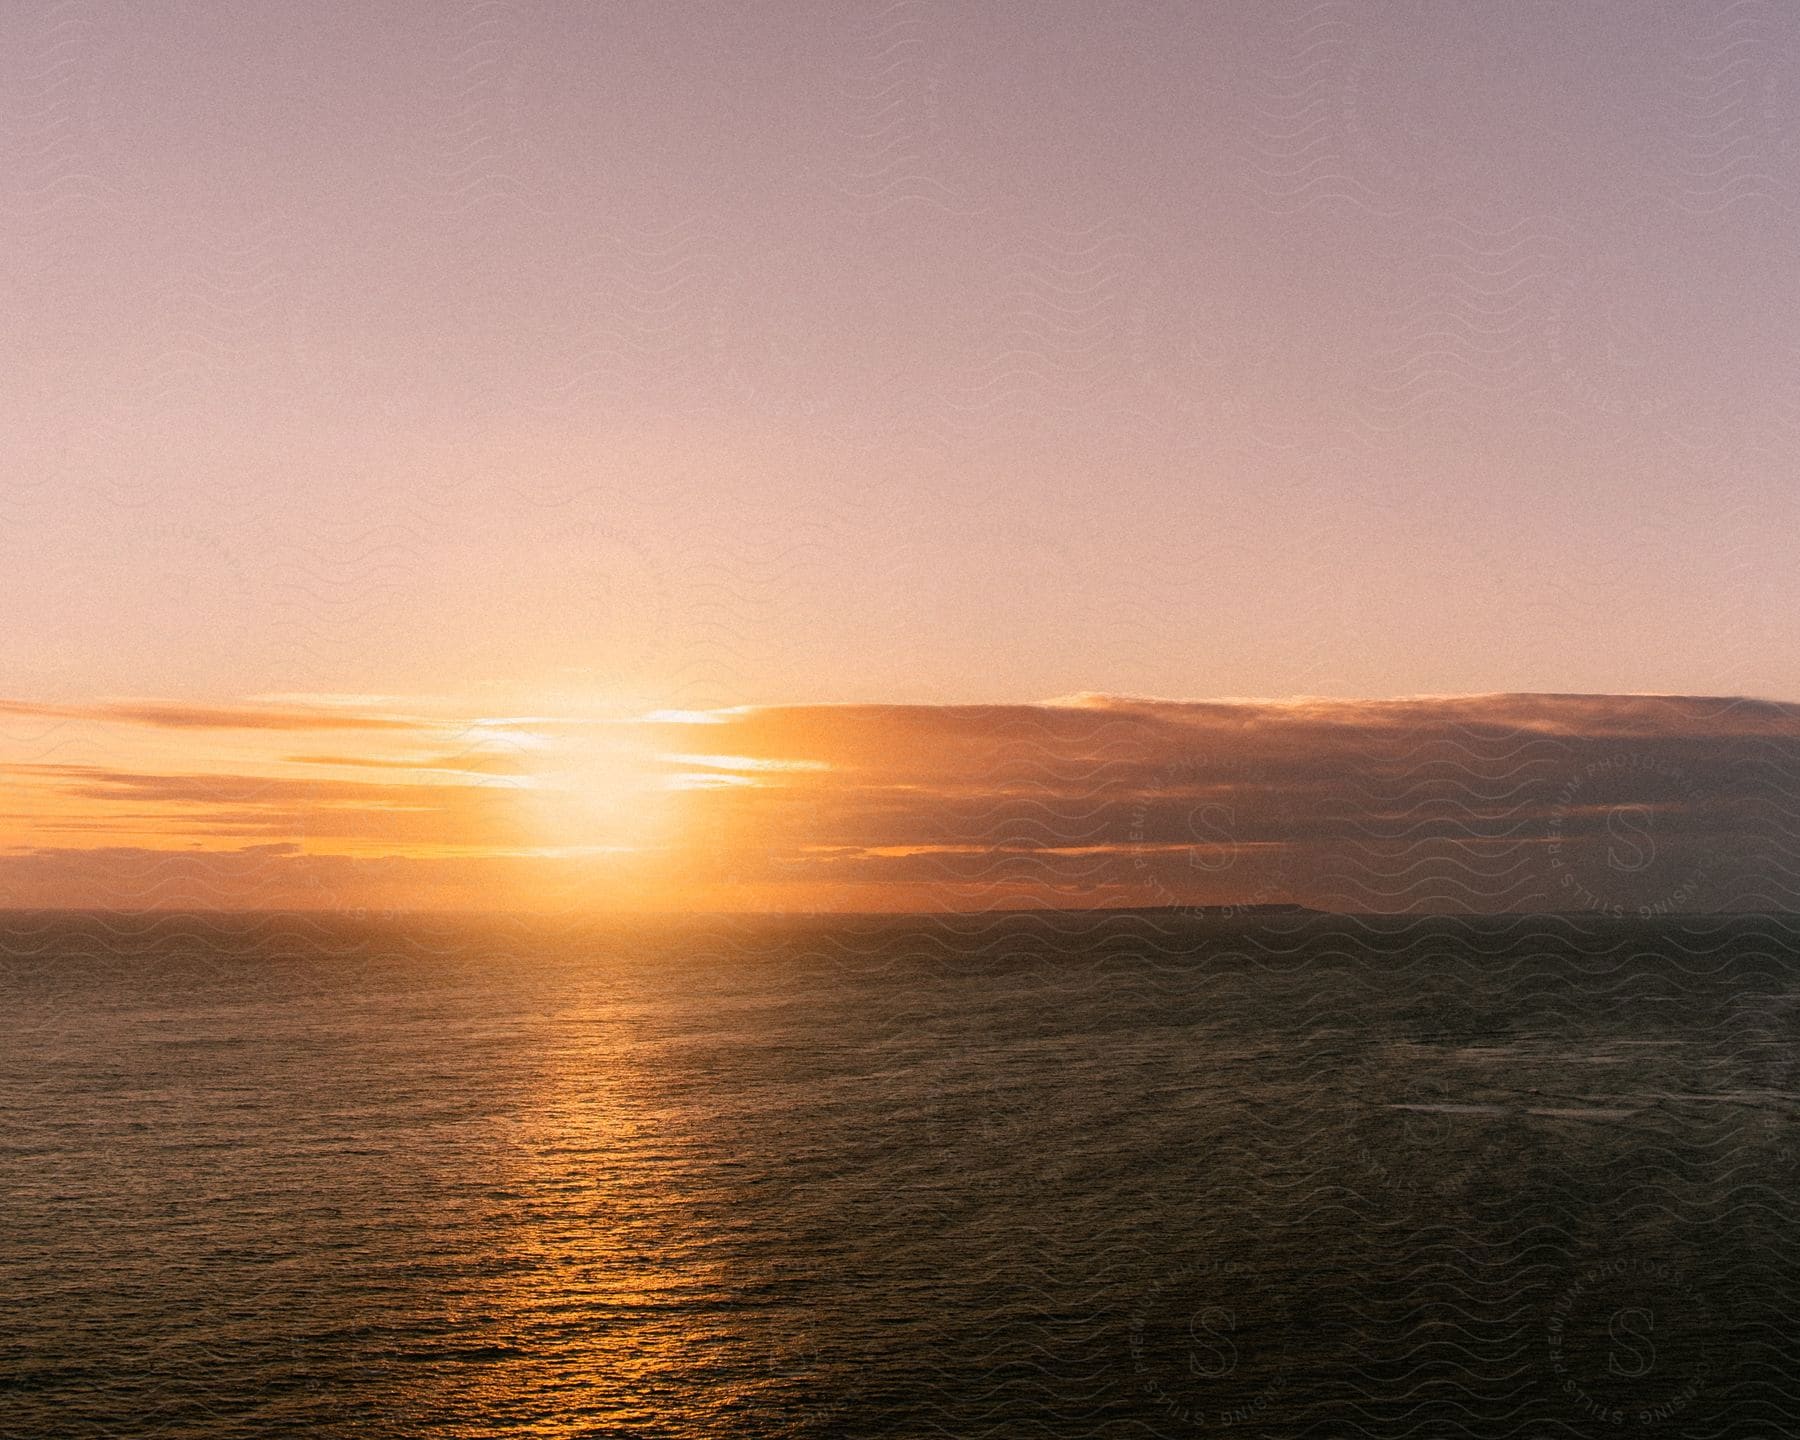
[(175, 715)]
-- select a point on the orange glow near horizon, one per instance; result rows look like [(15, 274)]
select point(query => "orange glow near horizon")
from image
[(1112, 801)]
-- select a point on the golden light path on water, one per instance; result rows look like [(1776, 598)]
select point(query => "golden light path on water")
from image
[(619, 1289)]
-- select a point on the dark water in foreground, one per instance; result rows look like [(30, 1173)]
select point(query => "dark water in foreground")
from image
[(1033, 1177)]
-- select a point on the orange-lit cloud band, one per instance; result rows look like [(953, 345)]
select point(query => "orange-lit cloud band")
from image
[(1475, 803)]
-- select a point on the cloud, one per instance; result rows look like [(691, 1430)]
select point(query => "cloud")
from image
[(1498, 802), (1464, 803), (260, 877), (176, 715), (209, 805), (472, 763)]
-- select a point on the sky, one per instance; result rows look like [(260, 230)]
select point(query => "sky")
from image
[(469, 363)]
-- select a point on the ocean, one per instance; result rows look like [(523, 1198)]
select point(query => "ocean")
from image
[(1029, 1175)]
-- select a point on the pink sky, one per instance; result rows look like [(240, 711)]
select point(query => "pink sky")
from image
[(710, 354)]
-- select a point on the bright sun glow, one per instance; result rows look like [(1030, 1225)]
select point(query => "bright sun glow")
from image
[(593, 789)]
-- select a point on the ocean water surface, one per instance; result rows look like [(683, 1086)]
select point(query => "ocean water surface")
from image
[(1125, 1175)]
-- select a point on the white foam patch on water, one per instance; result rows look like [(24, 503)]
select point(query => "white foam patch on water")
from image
[(1550, 1112)]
